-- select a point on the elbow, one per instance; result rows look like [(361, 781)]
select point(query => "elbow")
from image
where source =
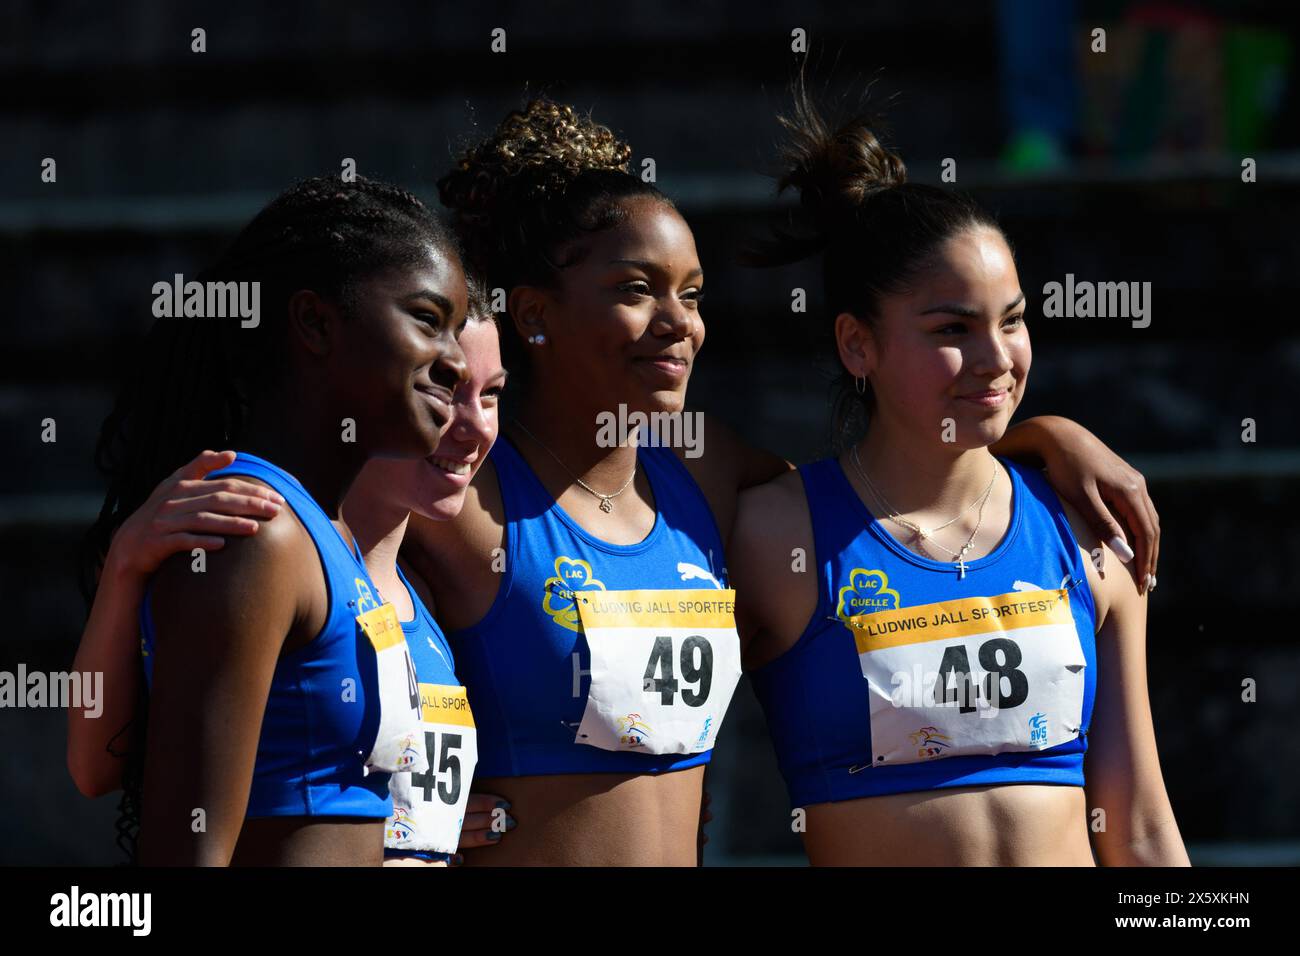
[(92, 781)]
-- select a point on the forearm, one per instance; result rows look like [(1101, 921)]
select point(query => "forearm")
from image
[(1029, 441), (1154, 844), (108, 647)]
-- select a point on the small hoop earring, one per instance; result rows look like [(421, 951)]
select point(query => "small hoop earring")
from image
[(860, 383)]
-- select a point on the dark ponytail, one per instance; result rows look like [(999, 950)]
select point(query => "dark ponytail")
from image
[(194, 377), (875, 230)]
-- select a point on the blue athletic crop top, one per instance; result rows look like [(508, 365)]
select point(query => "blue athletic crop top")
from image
[(430, 652), (815, 695), (525, 664), (313, 746)]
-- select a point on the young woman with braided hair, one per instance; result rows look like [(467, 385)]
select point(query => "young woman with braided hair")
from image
[(280, 687), (185, 512), (594, 744)]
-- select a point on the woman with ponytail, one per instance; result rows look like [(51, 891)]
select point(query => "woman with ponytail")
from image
[(598, 698), (281, 690), (964, 640)]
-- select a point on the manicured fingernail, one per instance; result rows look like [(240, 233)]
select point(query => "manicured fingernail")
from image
[(277, 497), (1154, 582), (1121, 548), (510, 823), (495, 835), (503, 804)]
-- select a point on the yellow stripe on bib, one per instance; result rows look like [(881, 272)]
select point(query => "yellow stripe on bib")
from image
[(382, 627), (945, 620), (444, 704), (694, 608)]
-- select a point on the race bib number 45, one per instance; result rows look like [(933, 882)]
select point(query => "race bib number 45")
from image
[(429, 807), (664, 665), (981, 675)]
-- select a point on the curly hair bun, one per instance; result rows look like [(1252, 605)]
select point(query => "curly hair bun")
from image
[(534, 154)]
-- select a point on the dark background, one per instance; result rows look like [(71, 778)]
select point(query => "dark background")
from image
[(1122, 166)]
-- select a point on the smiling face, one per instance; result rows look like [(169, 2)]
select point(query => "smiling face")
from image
[(624, 324), (956, 346), (435, 486), (395, 357)]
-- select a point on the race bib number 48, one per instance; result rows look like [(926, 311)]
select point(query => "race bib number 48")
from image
[(664, 665), (982, 675)]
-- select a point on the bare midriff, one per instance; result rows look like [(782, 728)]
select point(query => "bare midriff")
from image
[(310, 841), (597, 819), (1002, 825)]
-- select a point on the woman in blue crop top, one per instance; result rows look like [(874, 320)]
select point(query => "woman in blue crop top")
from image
[(936, 640), (603, 287), (377, 507), (361, 297)]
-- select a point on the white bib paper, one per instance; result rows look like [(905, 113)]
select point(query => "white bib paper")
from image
[(399, 742), (664, 664), (981, 675), (429, 807)]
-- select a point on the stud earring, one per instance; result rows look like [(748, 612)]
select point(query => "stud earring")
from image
[(538, 339)]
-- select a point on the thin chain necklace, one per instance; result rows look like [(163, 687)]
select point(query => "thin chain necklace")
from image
[(922, 533), (606, 501)]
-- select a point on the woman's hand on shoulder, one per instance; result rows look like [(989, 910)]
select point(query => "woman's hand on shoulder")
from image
[(1086, 474), (186, 512)]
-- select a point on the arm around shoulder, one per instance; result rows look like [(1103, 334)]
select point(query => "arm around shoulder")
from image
[(218, 635), (1135, 825)]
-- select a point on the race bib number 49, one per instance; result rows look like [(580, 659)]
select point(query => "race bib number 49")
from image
[(664, 665), (981, 675)]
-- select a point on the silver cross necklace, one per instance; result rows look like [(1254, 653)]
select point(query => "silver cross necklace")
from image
[(922, 533)]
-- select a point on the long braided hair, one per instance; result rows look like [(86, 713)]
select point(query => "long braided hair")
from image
[(194, 378)]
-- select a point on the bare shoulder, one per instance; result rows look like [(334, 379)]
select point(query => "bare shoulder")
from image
[(772, 564), (722, 464), (774, 512), (722, 448), (277, 552), (1114, 583), (208, 598)]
